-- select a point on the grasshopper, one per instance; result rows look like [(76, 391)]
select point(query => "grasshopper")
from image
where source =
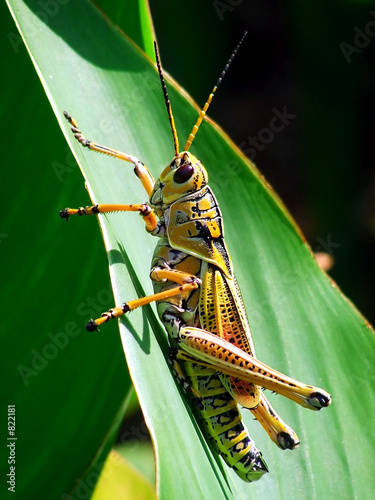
[(200, 305)]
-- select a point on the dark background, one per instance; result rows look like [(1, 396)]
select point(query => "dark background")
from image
[(322, 163)]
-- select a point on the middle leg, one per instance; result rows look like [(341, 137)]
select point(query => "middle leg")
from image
[(185, 283)]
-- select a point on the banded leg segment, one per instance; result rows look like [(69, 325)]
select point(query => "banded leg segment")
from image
[(163, 274), (139, 168), (145, 211), (186, 283), (280, 433), (211, 350), (250, 396)]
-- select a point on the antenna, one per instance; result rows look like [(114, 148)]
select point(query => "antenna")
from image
[(203, 111), (167, 101)]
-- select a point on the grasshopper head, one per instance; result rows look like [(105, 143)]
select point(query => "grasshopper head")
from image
[(184, 175)]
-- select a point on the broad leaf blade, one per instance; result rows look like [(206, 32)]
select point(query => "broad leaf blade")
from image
[(69, 387)]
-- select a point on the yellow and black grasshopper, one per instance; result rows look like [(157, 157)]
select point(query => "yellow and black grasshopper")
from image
[(200, 304)]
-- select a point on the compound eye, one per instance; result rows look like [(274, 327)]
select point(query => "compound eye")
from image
[(183, 173)]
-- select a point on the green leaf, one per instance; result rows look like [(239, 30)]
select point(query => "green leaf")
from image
[(302, 324), (69, 387), (111, 483), (133, 17)]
